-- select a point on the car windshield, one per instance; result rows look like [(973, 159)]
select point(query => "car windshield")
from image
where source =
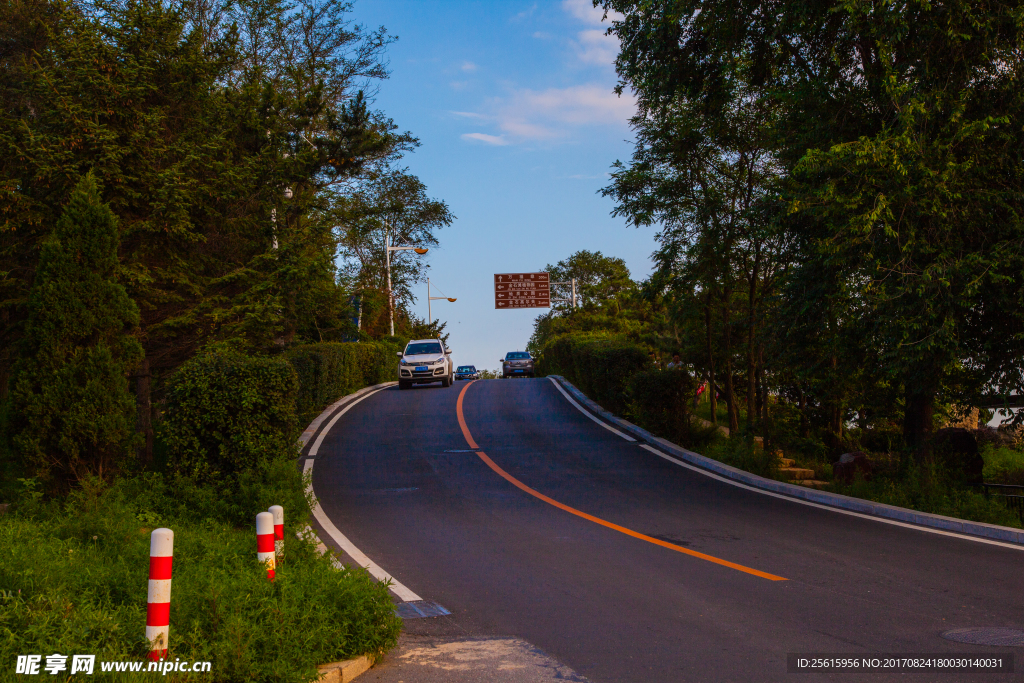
[(422, 349), (466, 368), (517, 355)]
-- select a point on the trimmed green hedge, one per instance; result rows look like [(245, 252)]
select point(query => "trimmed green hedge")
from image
[(329, 371), (229, 414), (660, 401), (599, 366)]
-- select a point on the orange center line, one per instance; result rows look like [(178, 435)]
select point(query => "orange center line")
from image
[(597, 520)]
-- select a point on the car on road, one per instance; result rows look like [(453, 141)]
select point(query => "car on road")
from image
[(517, 364), (467, 372), (423, 361)]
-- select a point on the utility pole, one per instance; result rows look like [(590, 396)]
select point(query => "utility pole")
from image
[(387, 259), (430, 317), (391, 301)]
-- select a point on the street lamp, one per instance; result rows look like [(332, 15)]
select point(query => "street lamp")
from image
[(430, 318), (387, 258)]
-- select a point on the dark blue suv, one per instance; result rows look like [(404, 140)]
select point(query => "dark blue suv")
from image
[(466, 372)]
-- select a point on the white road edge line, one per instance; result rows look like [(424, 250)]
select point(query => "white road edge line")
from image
[(323, 433), (826, 507), (611, 429), (397, 587)]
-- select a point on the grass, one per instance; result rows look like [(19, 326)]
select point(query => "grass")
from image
[(741, 454), (1003, 465), (930, 494), (73, 576), (703, 411)]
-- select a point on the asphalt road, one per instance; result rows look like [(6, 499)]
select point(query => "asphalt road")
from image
[(396, 477)]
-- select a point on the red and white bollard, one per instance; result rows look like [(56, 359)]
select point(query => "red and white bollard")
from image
[(265, 542), (158, 608), (278, 513)]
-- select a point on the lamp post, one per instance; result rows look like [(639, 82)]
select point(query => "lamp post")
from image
[(430, 318), (387, 259)]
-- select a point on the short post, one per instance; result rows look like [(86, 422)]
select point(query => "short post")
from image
[(158, 607), (265, 542), (278, 513)]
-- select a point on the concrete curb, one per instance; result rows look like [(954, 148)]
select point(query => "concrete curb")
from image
[(336, 672), (343, 672), (835, 500)]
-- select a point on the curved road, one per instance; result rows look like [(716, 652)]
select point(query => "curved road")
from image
[(396, 475)]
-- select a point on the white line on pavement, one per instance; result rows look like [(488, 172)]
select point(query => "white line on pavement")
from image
[(320, 438), (611, 429), (827, 507), (355, 553)]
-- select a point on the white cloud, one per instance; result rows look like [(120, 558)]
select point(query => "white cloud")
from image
[(594, 46), (468, 66), (585, 11), (554, 114), (525, 13), (489, 139), (541, 35), (575, 105), (458, 85)]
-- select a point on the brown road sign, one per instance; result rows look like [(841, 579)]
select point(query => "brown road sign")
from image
[(522, 290)]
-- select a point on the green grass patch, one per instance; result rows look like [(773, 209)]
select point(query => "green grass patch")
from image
[(742, 454), (931, 494), (74, 580), (1003, 465)]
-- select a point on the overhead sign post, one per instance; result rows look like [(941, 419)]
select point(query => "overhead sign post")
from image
[(522, 290)]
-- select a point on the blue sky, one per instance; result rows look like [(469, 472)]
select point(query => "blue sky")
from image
[(513, 105)]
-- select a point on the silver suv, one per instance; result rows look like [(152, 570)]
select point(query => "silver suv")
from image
[(424, 360), (517, 364)]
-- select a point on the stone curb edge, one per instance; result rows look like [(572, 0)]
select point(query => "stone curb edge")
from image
[(343, 672), (337, 672), (859, 505)]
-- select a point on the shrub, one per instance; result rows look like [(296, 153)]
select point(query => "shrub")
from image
[(660, 401), (599, 366), (229, 414), (330, 370)]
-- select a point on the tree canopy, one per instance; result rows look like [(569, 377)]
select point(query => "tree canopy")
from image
[(852, 170), (229, 141)]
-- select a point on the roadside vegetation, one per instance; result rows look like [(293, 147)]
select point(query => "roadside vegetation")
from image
[(75, 573), (839, 259), (194, 202)]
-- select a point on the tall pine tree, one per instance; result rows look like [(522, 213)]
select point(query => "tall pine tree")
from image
[(73, 413)]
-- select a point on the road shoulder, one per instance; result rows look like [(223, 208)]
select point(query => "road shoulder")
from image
[(433, 659), (975, 531)]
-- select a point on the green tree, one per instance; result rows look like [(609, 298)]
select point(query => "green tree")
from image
[(390, 207), (598, 278), (222, 163), (898, 162), (73, 413)]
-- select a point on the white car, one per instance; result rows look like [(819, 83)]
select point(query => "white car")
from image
[(425, 360)]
